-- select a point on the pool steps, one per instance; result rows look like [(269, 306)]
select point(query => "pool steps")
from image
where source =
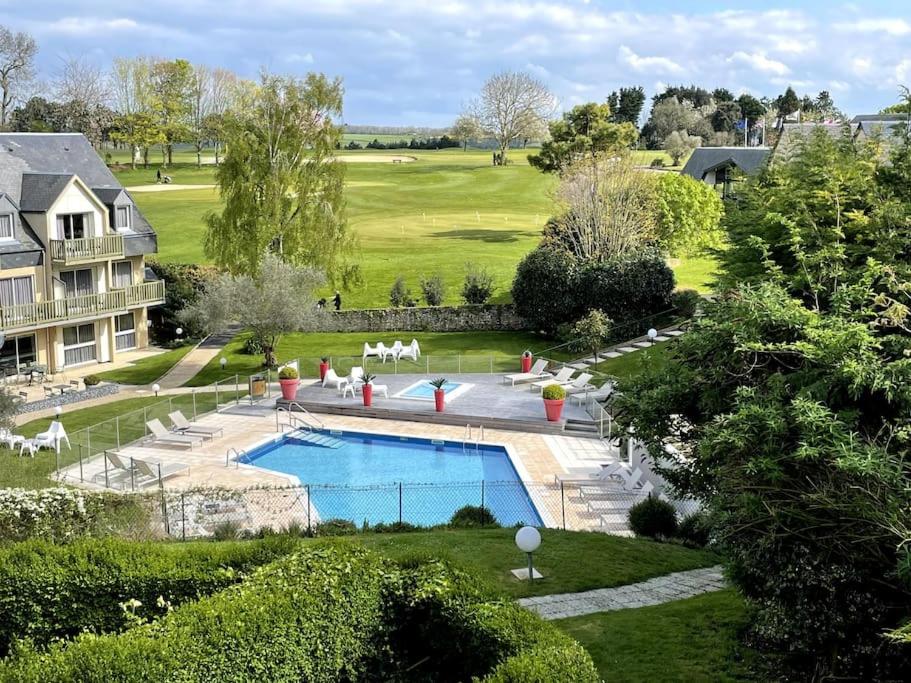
[(317, 439)]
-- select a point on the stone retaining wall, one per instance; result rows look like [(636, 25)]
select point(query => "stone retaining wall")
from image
[(472, 318), (70, 397)]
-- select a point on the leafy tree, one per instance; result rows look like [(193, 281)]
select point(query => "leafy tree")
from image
[(139, 130), (277, 300), (689, 215), (727, 115), (751, 108), (722, 95), (626, 105), (591, 331), (695, 95), (434, 289), (171, 86), (787, 406), (399, 295), (680, 143), (466, 128), (585, 131), (788, 102), (545, 289), (37, 115), (280, 182), (478, 285), (670, 115)]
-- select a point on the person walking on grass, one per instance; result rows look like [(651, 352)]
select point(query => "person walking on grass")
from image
[(337, 300), (158, 176)]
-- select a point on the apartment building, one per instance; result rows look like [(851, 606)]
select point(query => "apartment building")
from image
[(74, 290)]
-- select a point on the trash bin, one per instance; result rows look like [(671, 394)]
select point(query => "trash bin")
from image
[(257, 386)]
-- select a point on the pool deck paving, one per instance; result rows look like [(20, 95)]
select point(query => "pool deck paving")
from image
[(655, 591)]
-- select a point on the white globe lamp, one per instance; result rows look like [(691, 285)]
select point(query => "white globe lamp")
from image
[(58, 410), (156, 388), (528, 540), (223, 362), (652, 334)]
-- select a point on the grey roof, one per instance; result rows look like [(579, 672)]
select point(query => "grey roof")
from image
[(24, 237), (887, 127), (794, 133), (39, 191), (24, 156), (705, 159), (879, 117)]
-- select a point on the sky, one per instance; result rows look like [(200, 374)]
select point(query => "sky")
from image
[(416, 62)]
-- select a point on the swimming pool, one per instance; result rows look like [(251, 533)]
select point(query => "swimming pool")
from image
[(422, 390), (381, 478)]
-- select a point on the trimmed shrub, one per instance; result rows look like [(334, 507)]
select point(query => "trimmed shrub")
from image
[(50, 591), (433, 289), (91, 380), (253, 346), (335, 527), (653, 518), (469, 516), (545, 289), (399, 295), (183, 284), (694, 530), (288, 372), (478, 285), (686, 301), (553, 392)]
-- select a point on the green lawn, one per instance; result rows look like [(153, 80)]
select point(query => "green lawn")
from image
[(569, 560), (414, 219), (686, 640), (33, 472), (483, 350), (146, 370), (630, 364)]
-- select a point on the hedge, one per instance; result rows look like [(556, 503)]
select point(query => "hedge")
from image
[(52, 591), (332, 611)]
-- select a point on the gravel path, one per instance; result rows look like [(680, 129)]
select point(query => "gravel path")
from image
[(655, 591)]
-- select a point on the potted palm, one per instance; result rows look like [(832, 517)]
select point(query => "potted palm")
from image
[(289, 379), (553, 396), (526, 361), (439, 395), (367, 389), (323, 367)]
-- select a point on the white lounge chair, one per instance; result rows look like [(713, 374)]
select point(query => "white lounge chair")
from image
[(580, 385), (332, 378), (53, 436), (166, 438), (117, 468), (412, 351), (378, 351), (160, 470), (562, 377), (396, 349), (184, 426), (601, 394), (538, 371), (590, 476)]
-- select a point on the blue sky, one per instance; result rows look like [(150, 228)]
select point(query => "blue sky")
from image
[(415, 62)]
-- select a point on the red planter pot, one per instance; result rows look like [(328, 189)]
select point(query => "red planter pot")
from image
[(439, 398), (289, 388), (323, 369), (553, 408), (367, 392), (526, 363)]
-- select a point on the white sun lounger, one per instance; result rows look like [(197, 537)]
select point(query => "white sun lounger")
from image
[(538, 372), (590, 476), (332, 378), (580, 385), (412, 351), (160, 470), (164, 437), (562, 377), (184, 426)]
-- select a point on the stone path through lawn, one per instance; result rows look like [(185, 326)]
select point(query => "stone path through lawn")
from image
[(656, 591), (626, 347)]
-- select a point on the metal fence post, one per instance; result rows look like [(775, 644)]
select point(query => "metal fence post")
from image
[(145, 418), (308, 508), (81, 478), (164, 511), (482, 493), (88, 441), (57, 462), (170, 404), (400, 502), (460, 363), (193, 394), (563, 505), (427, 359), (117, 429), (491, 365), (132, 475), (216, 397), (183, 517), (106, 481)]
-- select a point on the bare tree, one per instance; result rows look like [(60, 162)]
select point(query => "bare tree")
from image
[(512, 106), (132, 96), (200, 107), (17, 67), (466, 128), (78, 80), (608, 209)]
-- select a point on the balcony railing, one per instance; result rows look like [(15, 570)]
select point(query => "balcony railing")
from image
[(76, 307), (86, 249)]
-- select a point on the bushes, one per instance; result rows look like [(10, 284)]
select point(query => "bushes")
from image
[(553, 392), (91, 380), (288, 372), (433, 289), (52, 591), (653, 518), (183, 284), (330, 612), (694, 530), (686, 302), (469, 516), (399, 295), (545, 289), (478, 285)]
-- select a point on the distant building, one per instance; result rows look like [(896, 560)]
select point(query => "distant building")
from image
[(720, 166), (74, 289), (792, 134), (888, 127)]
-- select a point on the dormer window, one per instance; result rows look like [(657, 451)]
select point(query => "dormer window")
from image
[(122, 217), (73, 226), (6, 226)]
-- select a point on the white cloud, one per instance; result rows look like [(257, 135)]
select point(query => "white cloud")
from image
[(892, 27), (655, 65), (84, 25), (297, 58), (760, 62)]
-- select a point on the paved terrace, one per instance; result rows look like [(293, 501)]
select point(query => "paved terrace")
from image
[(488, 401), (537, 459)]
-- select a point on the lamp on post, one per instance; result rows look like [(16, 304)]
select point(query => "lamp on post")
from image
[(156, 388), (179, 332), (223, 362), (652, 334), (528, 540), (57, 411)]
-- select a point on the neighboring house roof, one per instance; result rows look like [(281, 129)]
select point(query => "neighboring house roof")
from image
[(35, 166), (860, 118), (25, 242), (887, 127), (794, 133), (706, 159), (39, 191)]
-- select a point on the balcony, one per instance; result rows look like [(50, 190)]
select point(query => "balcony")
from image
[(86, 249), (46, 313)]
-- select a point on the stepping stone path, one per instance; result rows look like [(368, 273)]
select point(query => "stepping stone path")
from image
[(628, 347), (661, 589)]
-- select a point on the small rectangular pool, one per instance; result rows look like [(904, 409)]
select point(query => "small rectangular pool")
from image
[(422, 390), (379, 478)]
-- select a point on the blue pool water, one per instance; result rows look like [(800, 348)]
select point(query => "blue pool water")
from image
[(376, 478), (424, 389)]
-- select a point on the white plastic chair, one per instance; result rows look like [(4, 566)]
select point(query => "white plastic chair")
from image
[(396, 349), (332, 378), (412, 351), (52, 437)]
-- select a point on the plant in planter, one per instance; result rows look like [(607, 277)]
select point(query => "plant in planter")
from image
[(91, 380), (289, 379), (367, 389), (526, 360), (439, 395), (553, 396), (323, 367)]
